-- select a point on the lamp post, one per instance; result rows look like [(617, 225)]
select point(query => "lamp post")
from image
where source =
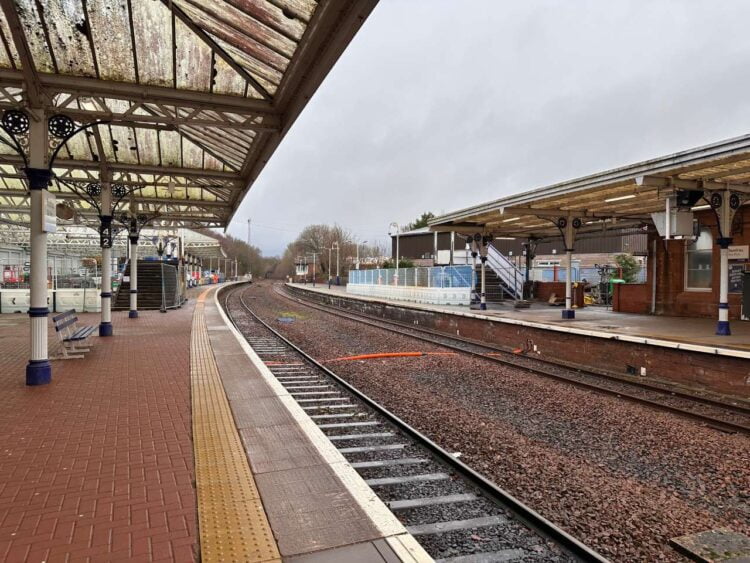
[(330, 274), (364, 242), (338, 277), (394, 229)]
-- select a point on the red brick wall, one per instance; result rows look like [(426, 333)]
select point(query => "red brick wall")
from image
[(672, 298), (543, 291), (632, 298), (723, 374)]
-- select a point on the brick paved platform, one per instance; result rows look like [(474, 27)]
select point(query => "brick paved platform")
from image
[(98, 465)]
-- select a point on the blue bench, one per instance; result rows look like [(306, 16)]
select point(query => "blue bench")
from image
[(66, 326)]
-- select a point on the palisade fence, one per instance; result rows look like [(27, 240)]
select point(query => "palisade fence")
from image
[(438, 277)]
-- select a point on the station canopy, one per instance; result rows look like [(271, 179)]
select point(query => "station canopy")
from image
[(78, 240), (612, 200), (191, 97)]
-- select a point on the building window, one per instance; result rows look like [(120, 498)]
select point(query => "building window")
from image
[(699, 257)]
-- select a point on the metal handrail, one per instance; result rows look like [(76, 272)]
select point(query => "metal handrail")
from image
[(507, 271)]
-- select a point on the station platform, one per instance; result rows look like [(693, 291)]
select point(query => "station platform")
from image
[(171, 441), (663, 346)]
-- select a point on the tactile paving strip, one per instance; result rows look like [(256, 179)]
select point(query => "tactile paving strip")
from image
[(233, 524)]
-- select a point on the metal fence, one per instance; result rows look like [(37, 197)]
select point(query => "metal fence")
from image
[(591, 275), (436, 277)]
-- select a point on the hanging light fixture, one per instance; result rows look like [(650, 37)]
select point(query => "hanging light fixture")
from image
[(170, 187)]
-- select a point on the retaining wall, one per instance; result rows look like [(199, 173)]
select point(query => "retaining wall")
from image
[(721, 373)]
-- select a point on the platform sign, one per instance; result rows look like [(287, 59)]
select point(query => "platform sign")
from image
[(105, 235), (49, 221), (736, 274), (739, 252)]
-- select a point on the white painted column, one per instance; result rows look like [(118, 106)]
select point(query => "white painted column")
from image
[(483, 259), (38, 370), (133, 313), (725, 215), (722, 328), (483, 295), (569, 312), (105, 326)]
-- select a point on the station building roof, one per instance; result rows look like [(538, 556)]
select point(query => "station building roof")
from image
[(613, 199), (192, 96)]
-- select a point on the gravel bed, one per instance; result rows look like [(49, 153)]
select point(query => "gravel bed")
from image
[(621, 477)]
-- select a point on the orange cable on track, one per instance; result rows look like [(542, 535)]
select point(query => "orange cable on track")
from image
[(389, 355)]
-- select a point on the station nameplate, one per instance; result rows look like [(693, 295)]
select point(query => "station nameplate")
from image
[(739, 252)]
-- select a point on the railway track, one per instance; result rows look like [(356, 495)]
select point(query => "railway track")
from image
[(455, 513), (720, 415)]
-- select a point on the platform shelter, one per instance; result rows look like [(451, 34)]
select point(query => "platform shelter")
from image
[(147, 113), (693, 205)]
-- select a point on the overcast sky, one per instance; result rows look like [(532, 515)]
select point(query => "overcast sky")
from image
[(438, 105)]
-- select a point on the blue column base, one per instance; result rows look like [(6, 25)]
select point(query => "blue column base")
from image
[(568, 314), (38, 372), (133, 315), (722, 329), (483, 306), (105, 329)]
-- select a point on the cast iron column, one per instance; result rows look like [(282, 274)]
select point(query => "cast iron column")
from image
[(133, 237), (38, 370), (105, 327)]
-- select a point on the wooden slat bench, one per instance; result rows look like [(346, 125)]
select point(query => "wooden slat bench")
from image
[(66, 326)]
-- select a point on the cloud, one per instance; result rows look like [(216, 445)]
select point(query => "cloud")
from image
[(437, 105)]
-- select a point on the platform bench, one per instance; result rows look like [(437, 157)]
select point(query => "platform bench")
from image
[(66, 326)]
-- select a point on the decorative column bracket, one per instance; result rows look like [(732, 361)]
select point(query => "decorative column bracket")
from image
[(568, 227), (724, 205), (17, 123)]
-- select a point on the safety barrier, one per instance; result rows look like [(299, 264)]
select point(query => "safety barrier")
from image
[(84, 300), (440, 285)]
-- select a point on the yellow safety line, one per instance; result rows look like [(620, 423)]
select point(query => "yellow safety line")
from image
[(233, 525)]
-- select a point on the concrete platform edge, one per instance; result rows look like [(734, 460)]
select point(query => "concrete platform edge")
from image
[(399, 540), (711, 350)]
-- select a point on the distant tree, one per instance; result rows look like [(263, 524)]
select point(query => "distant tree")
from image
[(629, 267), (249, 258), (318, 239), (421, 221)]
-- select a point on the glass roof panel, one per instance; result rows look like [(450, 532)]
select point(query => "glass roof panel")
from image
[(109, 22), (148, 146), (192, 154), (152, 28), (32, 27), (8, 44), (169, 143), (193, 60), (227, 81), (67, 29), (124, 144), (268, 77)]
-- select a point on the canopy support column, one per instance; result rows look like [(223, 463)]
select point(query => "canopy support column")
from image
[(133, 313), (725, 204), (484, 242), (38, 370), (568, 227), (105, 239)]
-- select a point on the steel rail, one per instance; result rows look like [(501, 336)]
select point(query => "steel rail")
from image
[(717, 423), (521, 511)]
